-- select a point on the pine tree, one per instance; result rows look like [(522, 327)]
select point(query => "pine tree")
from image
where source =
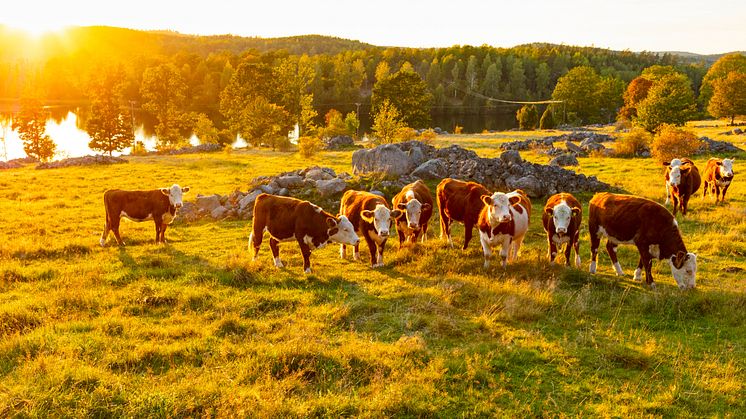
[(31, 127)]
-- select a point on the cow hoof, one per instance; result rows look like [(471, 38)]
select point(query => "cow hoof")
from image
[(102, 243), (653, 287), (357, 256), (638, 275), (592, 268), (278, 263), (486, 264), (307, 271)]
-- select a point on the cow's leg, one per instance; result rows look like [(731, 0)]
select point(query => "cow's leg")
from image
[(685, 203), (445, 226), (704, 190), (255, 241), (646, 259), (114, 225), (505, 250), (372, 248), (576, 245), (638, 271), (356, 252), (611, 250), (342, 251), (676, 202), (402, 237), (424, 233), (380, 248), (468, 231), (568, 251), (516, 243), (717, 192), (105, 234), (274, 246), (306, 252), (486, 250), (595, 243), (725, 188), (163, 233), (668, 193), (552, 249)]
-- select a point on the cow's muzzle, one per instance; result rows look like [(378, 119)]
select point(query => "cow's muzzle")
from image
[(414, 226)]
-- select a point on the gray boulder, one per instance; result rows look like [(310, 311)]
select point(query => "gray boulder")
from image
[(339, 141), (318, 174), (330, 187), (268, 189), (568, 159), (416, 156), (511, 157), (219, 212), (207, 203), (283, 192), (248, 200), (571, 147), (529, 184), (431, 169), (377, 192), (387, 159), (291, 181)]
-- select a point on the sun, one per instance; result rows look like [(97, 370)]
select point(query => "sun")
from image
[(39, 28)]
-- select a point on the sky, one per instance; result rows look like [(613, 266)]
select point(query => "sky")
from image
[(714, 26)]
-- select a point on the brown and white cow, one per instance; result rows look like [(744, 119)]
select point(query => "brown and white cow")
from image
[(371, 218), (416, 205), (718, 177), (287, 219), (159, 205), (459, 201), (561, 218), (627, 219), (682, 181), (504, 221)]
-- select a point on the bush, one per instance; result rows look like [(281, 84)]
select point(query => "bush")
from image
[(405, 134), (622, 124), (547, 119), (335, 124), (673, 142), (633, 143), (309, 146), (458, 129), (528, 117), (428, 136), (138, 149)]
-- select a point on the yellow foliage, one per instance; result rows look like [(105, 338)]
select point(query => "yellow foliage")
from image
[(673, 142), (633, 143), (309, 146)]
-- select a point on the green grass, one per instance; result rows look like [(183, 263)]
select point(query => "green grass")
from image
[(195, 328)]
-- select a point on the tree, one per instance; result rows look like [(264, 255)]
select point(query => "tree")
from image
[(293, 78), (547, 119), (205, 130), (164, 93), (264, 123), (609, 92), (31, 127), (408, 93), (669, 101), (527, 117), (719, 70), (729, 96), (109, 127), (673, 142), (353, 123), (387, 123), (636, 92), (578, 90)]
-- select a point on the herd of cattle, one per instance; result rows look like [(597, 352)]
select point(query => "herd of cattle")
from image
[(502, 219)]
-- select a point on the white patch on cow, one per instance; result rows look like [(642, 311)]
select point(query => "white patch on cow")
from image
[(103, 241), (278, 262), (499, 211), (675, 223), (307, 271), (175, 194), (138, 220), (723, 183), (577, 261), (674, 176), (251, 241), (308, 240), (484, 239), (618, 269), (316, 208), (592, 268), (414, 211), (560, 240), (381, 220), (612, 239), (562, 215), (409, 195), (345, 232), (655, 251), (379, 259), (676, 162), (686, 277), (726, 169), (167, 218), (638, 274)]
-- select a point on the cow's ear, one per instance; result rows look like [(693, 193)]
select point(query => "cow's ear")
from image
[(549, 211), (679, 259), (367, 215), (732, 159), (402, 206), (426, 207), (185, 189), (331, 222), (576, 211), (514, 200), (166, 191), (719, 163), (396, 213), (487, 199), (666, 163), (332, 231)]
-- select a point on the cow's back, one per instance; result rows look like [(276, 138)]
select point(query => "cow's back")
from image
[(691, 178), (625, 216), (355, 202), (461, 200), (136, 204), (711, 169)]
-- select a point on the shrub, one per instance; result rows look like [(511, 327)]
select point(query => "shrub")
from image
[(335, 125), (622, 124), (405, 134), (428, 136), (352, 122), (547, 119), (673, 142), (528, 117), (138, 149), (633, 143), (458, 129), (309, 146), (387, 124)]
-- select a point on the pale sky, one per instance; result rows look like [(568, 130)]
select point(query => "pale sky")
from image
[(705, 27)]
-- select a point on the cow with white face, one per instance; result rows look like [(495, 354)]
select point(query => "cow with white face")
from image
[(562, 217), (416, 205), (718, 177), (159, 205), (673, 176), (503, 221), (371, 218)]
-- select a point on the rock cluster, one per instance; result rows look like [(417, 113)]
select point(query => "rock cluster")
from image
[(339, 142), (735, 131), (412, 159), (82, 161), (316, 183), (589, 141), (714, 146), (202, 148)]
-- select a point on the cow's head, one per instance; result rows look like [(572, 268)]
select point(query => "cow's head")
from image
[(412, 210), (498, 206), (726, 167), (174, 194), (380, 218), (674, 176), (562, 215), (340, 230), (684, 269)]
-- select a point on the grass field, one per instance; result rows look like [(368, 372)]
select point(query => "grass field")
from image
[(195, 328)]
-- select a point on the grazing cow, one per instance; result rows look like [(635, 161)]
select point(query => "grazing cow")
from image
[(682, 181), (286, 219), (416, 205), (159, 205), (561, 218), (371, 218), (718, 176), (459, 201), (503, 220), (627, 219)]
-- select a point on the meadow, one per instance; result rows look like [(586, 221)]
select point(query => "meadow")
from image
[(196, 328)]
